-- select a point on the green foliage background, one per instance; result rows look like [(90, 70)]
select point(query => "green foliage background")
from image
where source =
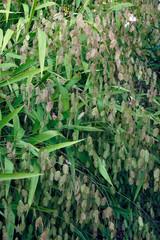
[(79, 120)]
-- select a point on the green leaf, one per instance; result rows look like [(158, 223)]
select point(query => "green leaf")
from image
[(11, 225), (1, 38), (44, 136), (59, 146), (79, 233), (76, 78), (64, 97), (7, 65), (31, 15), (7, 37), (71, 159), (103, 171), (33, 184), (85, 66), (11, 176), (83, 128), (8, 169), (78, 3), (140, 185), (22, 76), (42, 48), (47, 4), (10, 116), (7, 9), (26, 145), (18, 131), (119, 6), (13, 55), (26, 10), (19, 28), (68, 66)]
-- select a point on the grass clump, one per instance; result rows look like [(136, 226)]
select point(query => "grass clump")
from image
[(79, 120)]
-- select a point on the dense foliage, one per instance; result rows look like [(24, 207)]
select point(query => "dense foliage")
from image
[(79, 120)]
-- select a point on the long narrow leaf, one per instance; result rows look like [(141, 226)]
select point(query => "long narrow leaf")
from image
[(83, 128), (21, 76), (42, 48), (44, 136), (1, 38), (47, 4), (31, 15), (10, 116), (7, 37), (140, 185), (7, 9), (59, 146), (8, 169), (11, 176), (33, 185), (103, 171)]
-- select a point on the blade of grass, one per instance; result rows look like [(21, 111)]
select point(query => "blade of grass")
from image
[(83, 128), (47, 4), (1, 38), (140, 185), (33, 184), (11, 176), (8, 169), (44, 136), (41, 48), (7, 9), (10, 116), (71, 159), (11, 225), (31, 15), (6, 38), (64, 97), (103, 171), (22, 76), (60, 145)]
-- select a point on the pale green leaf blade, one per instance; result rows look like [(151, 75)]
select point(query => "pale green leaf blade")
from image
[(78, 3), (103, 171), (22, 76), (119, 6), (18, 131), (1, 38), (64, 97), (83, 128), (71, 159), (68, 66), (7, 37), (8, 169), (7, 65), (11, 225), (140, 185), (59, 146), (33, 185), (47, 4), (26, 10), (19, 28), (42, 137), (12, 176), (7, 9), (31, 15), (10, 116), (26, 145), (42, 48)]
